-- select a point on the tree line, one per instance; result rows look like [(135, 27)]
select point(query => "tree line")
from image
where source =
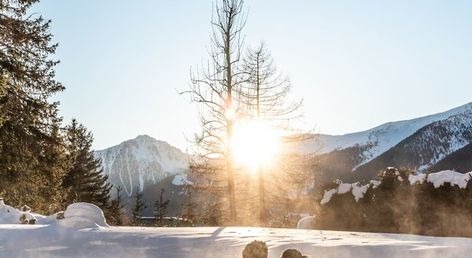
[(42, 164), (397, 206)]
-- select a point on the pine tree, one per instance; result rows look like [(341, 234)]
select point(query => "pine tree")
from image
[(32, 160), (160, 208), (116, 215), (85, 179), (138, 207)]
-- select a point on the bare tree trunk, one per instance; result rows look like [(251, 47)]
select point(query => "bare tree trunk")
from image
[(216, 89), (262, 205)]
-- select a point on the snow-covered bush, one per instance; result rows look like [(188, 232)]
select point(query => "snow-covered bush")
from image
[(77, 215), (10, 215), (435, 204), (83, 215)]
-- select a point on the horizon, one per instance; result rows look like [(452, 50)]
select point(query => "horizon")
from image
[(336, 56), (402, 120)]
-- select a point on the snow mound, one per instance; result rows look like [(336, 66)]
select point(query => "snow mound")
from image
[(448, 176), (83, 215), (307, 222), (10, 215)]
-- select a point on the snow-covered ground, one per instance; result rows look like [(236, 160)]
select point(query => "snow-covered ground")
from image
[(53, 241), (81, 231)]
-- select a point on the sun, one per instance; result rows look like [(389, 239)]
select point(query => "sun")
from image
[(255, 144)]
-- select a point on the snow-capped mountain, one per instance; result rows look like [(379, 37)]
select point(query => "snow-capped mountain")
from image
[(426, 147), (378, 139), (141, 161), (417, 144)]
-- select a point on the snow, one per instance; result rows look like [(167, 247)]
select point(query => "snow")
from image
[(328, 195), (414, 179), (10, 215), (141, 161), (83, 215), (83, 232), (225, 242), (448, 176), (344, 188), (180, 179), (77, 215), (358, 191), (375, 183), (437, 179), (307, 222)]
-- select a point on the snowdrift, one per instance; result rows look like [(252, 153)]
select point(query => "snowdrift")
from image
[(83, 215), (77, 215)]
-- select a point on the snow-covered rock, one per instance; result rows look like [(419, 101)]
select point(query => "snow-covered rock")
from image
[(83, 215), (10, 215), (307, 222)]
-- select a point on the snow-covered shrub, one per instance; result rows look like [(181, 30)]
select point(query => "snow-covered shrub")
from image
[(434, 204), (83, 215), (27, 218)]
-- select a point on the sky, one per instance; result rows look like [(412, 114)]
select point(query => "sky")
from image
[(356, 64)]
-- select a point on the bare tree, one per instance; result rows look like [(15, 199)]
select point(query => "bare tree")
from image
[(215, 88), (265, 96)]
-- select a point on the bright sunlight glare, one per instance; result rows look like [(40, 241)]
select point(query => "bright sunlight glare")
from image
[(255, 144)]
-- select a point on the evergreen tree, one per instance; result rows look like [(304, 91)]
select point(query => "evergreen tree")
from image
[(116, 215), (138, 207), (160, 208), (32, 160), (85, 179)]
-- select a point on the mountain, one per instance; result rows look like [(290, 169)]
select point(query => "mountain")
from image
[(379, 139), (425, 147), (460, 161), (141, 162), (417, 143)]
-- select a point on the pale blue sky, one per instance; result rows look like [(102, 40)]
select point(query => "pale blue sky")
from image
[(357, 64)]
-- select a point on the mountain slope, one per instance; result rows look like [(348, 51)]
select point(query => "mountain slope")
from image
[(460, 161), (424, 148), (140, 162), (378, 139)]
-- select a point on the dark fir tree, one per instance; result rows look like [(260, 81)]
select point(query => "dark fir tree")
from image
[(32, 160), (116, 214), (160, 208), (138, 207), (84, 180)]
